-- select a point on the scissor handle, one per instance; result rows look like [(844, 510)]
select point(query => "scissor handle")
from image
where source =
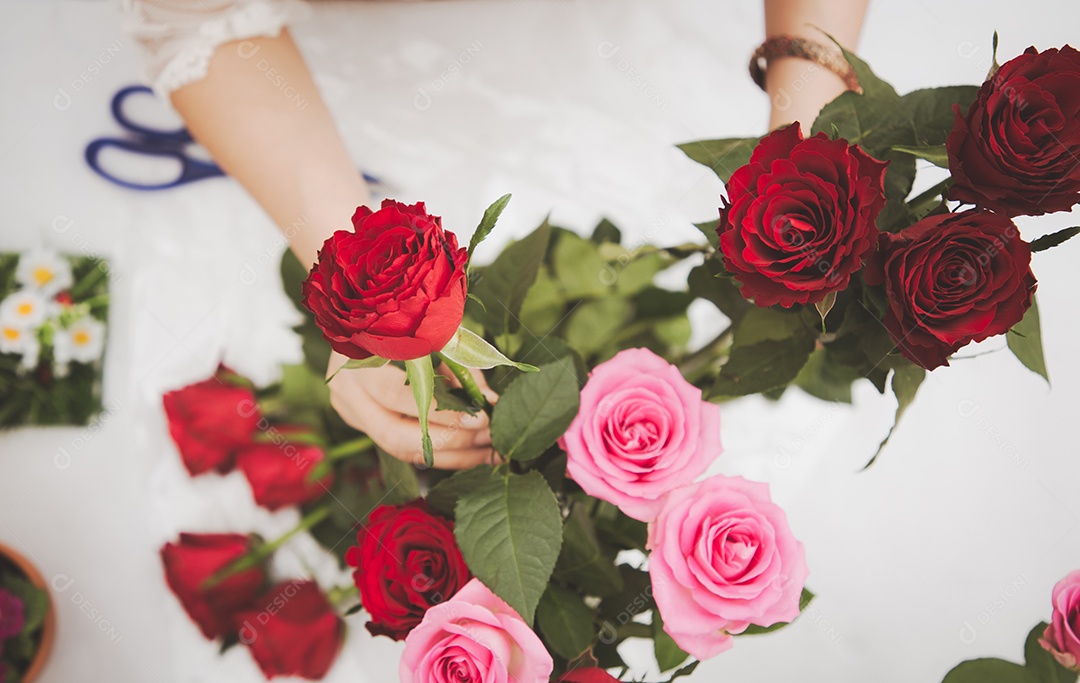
[(176, 135), (190, 169)]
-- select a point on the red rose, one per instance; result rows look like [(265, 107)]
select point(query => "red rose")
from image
[(295, 633), (952, 279), (590, 674), (394, 287), (193, 560), (278, 473), (407, 561), (209, 421), (799, 218), (1016, 150)]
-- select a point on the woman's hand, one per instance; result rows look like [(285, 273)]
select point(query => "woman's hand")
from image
[(377, 402)]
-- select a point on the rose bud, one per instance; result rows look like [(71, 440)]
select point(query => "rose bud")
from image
[(279, 473), (1062, 637), (194, 559), (394, 287), (292, 630), (209, 421)]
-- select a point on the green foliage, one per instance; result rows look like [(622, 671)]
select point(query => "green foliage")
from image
[(487, 223), (1040, 667), (668, 654), (564, 621), (906, 379), (1055, 238), (500, 288), (510, 533), (724, 157), (1025, 341), (421, 377), (770, 349), (585, 562), (535, 410), (444, 496)]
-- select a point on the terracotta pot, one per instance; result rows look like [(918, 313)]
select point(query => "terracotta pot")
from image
[(48, 629)]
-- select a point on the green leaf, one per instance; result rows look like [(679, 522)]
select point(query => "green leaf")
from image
[(469, 349), (804, 601), (825, 305), (453, 398), (989, 671), (668, 654), (421, 376), (565, 621), (905, 383), (826, 378), (359, 364), (708, 282), (293, 274), (724, 157), (399, 478), (510, 532), (302, 388), (593, 324), (535, 410), (708, 228), (1041, 663), (502, 286), (1025, 341), (770, 348), (1055, 238), (639, 272), (487, 223), (583, 562), (35, 601), (544, 306), (606, 231), (579, 269), (444, 496), (935, 154)]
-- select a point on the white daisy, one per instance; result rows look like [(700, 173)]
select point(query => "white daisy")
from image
[(14, 339), (82, 341), (25, 309), (45, 271)]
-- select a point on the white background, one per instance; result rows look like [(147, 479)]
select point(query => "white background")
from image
[(946, 549)]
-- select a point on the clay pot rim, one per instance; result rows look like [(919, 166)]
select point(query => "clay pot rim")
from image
[(48, 627)]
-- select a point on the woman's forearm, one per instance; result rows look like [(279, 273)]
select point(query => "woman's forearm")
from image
[(797, 88), (262, 119)]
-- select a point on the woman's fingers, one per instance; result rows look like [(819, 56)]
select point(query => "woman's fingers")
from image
[(386, 386)]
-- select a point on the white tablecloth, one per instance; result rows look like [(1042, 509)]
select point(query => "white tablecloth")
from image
[(946, 549)]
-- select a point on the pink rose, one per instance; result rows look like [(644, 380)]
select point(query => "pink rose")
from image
[(723, 558), (1062, 637), (474, 637), (642, 430)]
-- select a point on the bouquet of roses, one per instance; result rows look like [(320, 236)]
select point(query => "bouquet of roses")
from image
[(595, 520), (53, 310)]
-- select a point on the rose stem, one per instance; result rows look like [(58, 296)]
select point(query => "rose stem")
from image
[(339, 595), (468, 383), (350, 448), (256, 555), (916, 204), (699, 362)]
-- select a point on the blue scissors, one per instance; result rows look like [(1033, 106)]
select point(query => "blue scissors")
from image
[(154, 142)]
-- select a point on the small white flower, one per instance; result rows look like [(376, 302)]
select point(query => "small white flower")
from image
[(45, 271), (83, 341), (14, 339), (25, 309)]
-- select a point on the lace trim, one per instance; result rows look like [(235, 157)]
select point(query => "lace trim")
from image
[(192, 62)]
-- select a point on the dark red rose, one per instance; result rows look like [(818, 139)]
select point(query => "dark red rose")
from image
[(1016, 150), (799, 218), (394, 287), (952, 279), (278, 473), (407, 561), (194, 559), (590, 674), (209, 421), (293, 631)]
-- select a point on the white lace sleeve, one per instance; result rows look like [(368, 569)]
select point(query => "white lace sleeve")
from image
[(178, 37)]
